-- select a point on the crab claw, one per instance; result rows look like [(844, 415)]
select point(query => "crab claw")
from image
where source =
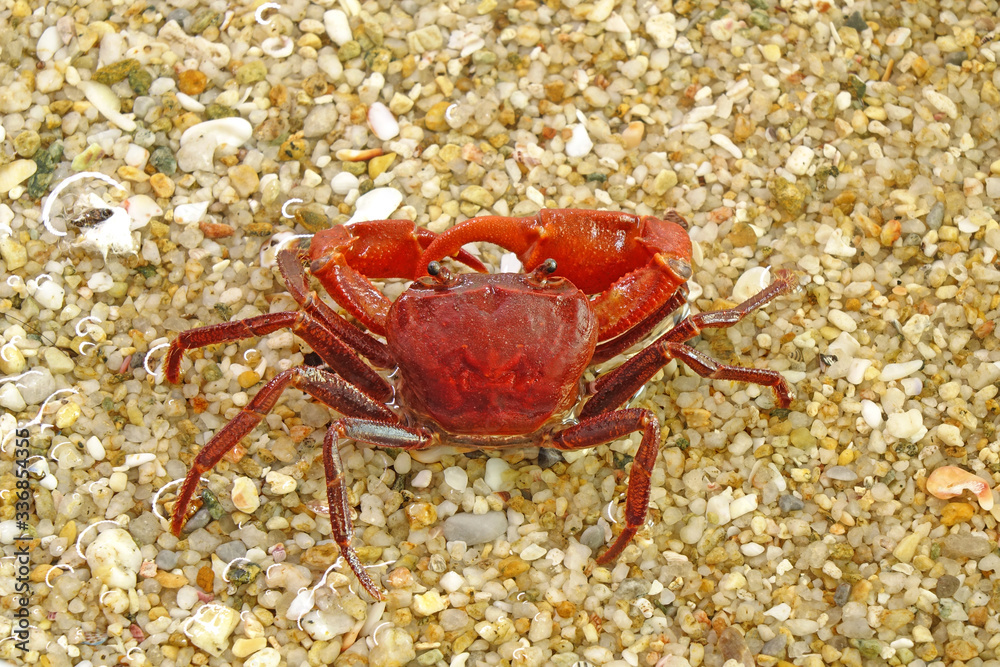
[(950, 481), (346, 257), (633, 263)]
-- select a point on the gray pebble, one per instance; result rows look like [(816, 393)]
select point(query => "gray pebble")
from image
[(946, 586), (200, 519), (145, 528), (842, 594), (776, 646), (631, 589), (936, 216), (965, 546), (230, 551), (841, 473), (593, 537), (475, 528), (548, 457), (166, 560), (790, 504), (36, 386)]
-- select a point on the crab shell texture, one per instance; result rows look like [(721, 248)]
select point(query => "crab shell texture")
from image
[(502, 353)]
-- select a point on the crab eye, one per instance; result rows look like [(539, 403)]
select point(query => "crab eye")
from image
[(680, 267)]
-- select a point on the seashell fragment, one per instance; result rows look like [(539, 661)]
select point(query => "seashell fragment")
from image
[(188, 214), (377, 204), (105, 101), (351, 155), (950, 481), (752, 281), (199, 142), (278, 47)]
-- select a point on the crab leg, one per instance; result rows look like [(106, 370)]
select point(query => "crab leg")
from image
[(599, 429), (374, 432), (631, 263), (331, 390), (314, 332), (290, 264), (616, 346), (617, 386), (345, 258)]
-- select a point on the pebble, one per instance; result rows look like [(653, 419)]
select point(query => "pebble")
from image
[(496, 475), (907, 425), (265, 657), (14, 173), (199, 142), (662, 29), (475, 528), (280, 484), (245, 496), (210, 627), (394, 648), (901, 370), (10, 397), (428, 603), (382, 122), (115, 559), (456, 478)]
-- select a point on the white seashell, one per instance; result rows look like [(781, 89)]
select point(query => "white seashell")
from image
[(48, 44), (752, 281), (105, 101), (278, 47), (950, 481), (344, 182), (113, 234), (189, 103), (114, 558), (15, 173), (381, 121), (509, 263), (377, 204), (141, 209), (199, 142), (189, 214), (134, 461)]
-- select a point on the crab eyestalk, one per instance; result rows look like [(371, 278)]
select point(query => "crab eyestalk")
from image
[(440, 273), (540, 275)]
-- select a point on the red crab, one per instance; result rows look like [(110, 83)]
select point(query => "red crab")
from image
[(484, 361)]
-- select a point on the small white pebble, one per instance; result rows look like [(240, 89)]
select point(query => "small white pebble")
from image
[(800, 160), (456, 478), (115, 559), (245, 496), (907, 425), (871, 413), (751, 549), (95, 448), (403, 463), (779, 612), (421, 480), (451, 581), (743, 505), (382, 122), (494, 475), (900, 370), (280, 483), (532, 552)]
